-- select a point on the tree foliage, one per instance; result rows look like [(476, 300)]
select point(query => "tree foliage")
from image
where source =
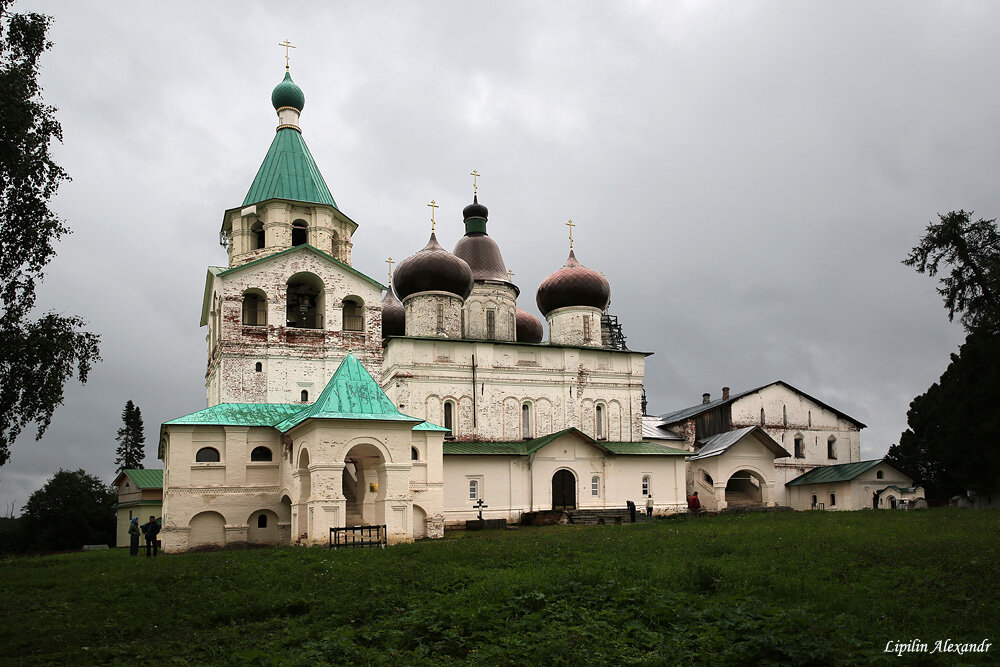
[(72, 509), (970, 254), (37, 356), (131, 438)]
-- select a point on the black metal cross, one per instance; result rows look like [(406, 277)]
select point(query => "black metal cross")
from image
[(480, 505)]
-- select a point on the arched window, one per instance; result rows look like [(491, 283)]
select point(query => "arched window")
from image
[(599, 422), (258, 367), (595, 486), (261, 454), (254, 310), (708, 478), (473, 489), (491, 324), (831, 447), (449, 418), (526, 421), (257, 236), (300, 233), (833, 500), (354, 318), (304, 396), (586, 328), (879, 474), (762, 416), (262, 521), (335, 245), (440, 318), (646, 485), (207, 455), (800, 446), (304, 301), (414, 454)]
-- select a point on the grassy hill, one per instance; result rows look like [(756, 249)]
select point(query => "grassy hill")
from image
[(791, 588)]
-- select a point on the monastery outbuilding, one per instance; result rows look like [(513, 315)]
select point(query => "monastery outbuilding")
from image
[(330, 406)]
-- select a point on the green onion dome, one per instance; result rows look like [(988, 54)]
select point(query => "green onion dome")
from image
[(287, 94)]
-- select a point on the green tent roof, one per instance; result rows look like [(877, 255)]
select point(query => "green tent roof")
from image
[(289, 172), (351, 393), (525, 447), (240, 414), (428, 426), (843, 472), (145, 479)]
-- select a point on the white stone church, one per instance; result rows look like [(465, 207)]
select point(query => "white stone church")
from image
[(331, 406)]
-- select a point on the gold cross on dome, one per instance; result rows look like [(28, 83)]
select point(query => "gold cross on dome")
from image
[(287, 45), (510, 275), (571, 226), (475, 181), (433, 206), (390, 262)]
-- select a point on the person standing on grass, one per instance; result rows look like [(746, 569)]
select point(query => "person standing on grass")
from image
[(133, 536), (694, 505), (151, 530), (631, 510), (649, 506)]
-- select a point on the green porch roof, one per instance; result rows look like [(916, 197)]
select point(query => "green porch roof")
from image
[(289, 172), (351, 393), (843, 472), (145, 479), (240, 414), (428, 426), (298, 248), (525, 447)]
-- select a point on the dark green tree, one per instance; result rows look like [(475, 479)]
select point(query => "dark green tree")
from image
[(37, 356), (131, 438), (969, 253), (72, 509)]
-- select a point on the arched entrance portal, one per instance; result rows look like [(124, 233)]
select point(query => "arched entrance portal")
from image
[(745, 489), (563, 490), (364, 486)]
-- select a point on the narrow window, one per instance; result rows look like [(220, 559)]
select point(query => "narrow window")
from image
[(254, 310), (262, 521), (833, 500), (762, 416), (414, 454), (879, 475), (708, 478), (526, 421), (473, 489), (354, 318), (595, 486), (130, 514), (645, 485), (491, 324), (831, 448), (260, 454), (258, 367), (440, 318), (207, 455), (300, 233), (784, 415), (599, 419), (257, 236), (448, 418), (814, 503), (304, 396), (810, 418), (800, 447), (586, 328)]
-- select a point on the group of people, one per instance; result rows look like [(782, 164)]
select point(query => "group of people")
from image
[(150, 530), (694, 506)]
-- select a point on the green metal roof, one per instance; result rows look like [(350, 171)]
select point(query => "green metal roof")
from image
[(427, 426), (305, 246), (843, 472), (525, 447), (289, 172), (350, 394), (144, 479), (240, 414)]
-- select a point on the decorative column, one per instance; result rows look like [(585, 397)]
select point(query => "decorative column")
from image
[(398, 502), (327, 506)]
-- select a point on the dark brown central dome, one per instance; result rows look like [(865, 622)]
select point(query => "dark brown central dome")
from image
[(393, 315), (433, 269), (478, 250), (573, 285), (529, 328)]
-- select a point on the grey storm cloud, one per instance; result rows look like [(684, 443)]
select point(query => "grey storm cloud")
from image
[(747, 175)]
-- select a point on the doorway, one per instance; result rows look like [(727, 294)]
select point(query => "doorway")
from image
[(563, 490)]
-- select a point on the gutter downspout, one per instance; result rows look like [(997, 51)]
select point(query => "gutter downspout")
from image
[(475, 426)]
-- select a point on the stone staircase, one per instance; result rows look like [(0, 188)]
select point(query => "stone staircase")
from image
[(353, 515)]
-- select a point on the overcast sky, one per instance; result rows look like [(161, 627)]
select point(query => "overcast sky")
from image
[(747, 175)]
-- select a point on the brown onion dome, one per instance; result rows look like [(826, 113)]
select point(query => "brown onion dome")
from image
[(433, 269), (393, 315), (480, 252), (529, 327), (573, 285)]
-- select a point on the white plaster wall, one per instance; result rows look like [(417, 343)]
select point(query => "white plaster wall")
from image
[(328, 230), (490, 295), (566, 326), (421, 314)]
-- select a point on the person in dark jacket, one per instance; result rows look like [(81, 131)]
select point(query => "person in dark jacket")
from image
[(631, 510), (133, 536), (151, 530)]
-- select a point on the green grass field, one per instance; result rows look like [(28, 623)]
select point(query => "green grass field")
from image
[(783, 588)]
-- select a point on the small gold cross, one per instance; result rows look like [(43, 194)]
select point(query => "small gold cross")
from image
[(571, 226), (390, 262), (510, 275), (433, 206), (287, 45), (475, 181)]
